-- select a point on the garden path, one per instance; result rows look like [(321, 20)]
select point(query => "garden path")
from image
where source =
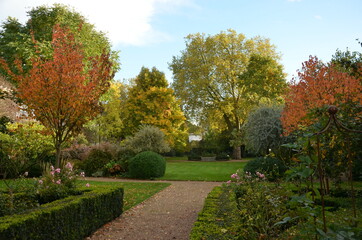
[(169, 214)]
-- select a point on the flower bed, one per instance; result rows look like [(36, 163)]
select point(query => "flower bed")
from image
[(74, 217)]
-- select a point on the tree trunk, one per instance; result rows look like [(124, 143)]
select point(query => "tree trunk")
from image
[(57, 154), (237, 152)]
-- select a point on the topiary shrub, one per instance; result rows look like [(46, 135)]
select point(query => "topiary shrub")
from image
[(147, 165), (273, 168)]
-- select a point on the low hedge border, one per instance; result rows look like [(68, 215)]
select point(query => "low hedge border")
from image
[(218, 218), (74, 217)]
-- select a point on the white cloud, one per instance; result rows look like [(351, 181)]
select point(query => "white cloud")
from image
[(125, 21), (294, 0), (318, 17)]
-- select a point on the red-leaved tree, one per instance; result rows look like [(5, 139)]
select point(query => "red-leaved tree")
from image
[(63, 92), (317, 86)]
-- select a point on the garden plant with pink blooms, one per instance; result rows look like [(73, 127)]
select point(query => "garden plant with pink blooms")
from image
[(261, 205), (58, 183)]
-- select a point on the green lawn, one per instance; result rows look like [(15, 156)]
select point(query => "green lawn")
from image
[(201, 171), (134, 193)]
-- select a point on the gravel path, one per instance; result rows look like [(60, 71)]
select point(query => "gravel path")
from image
[(170, 214)]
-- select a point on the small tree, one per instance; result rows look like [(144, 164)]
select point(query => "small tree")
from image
[(63, 92), (148, 138), (263, 129)]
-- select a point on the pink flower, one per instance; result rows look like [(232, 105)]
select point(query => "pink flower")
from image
[(52, 172), (40, 181), (87, 185), (57, 170), (59, 181), (234, 175), (69, 166), (52, 168), (228, 182)]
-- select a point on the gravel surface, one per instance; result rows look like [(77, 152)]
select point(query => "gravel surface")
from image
[(170, 214)]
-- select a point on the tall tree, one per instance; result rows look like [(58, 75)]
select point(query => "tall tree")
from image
[(319, 85), (151, 102), (16, 39), (226, 75), (109, 125), (63, 92)]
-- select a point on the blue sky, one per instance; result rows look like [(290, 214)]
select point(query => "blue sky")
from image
[(149, 32)]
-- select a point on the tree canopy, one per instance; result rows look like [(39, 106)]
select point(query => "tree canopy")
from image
[(224, 76), (319, 85), (151, 102), (17, 40), (62, 92)]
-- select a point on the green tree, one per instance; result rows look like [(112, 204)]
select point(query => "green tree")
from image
[(224, 76), (263, 129), (151, 102), (108, 126), (17, 40)]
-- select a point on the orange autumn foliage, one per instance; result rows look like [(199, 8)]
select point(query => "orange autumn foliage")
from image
[(317, 85), (63, 92)]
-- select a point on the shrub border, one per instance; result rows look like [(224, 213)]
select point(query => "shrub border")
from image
[(74, 217), (218, 218)]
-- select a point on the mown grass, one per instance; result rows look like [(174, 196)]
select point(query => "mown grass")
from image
[(201, 171), (134, 192)]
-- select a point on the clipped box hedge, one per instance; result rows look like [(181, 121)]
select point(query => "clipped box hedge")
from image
[(74, 217), (218, 218)]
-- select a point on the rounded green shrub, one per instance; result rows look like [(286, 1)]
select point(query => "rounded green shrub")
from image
[(147, 165), (273, 168)]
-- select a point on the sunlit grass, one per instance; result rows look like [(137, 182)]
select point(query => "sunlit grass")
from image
[(201, 171)]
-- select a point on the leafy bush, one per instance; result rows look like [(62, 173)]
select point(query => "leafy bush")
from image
[(222, 156), (113, 168), (261, 206), (148, 138), (58, 183), (74, 217), (123, 156), (272, 167), (95, 161), (23, 148), (147, 165), (194, 157)]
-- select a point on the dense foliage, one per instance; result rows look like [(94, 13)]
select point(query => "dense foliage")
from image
[(148, 138), (17, 39), (71, 218), (63, 92), (263, 130), (317, 86), (147, 165), (223, 77), (25, 147), (272, 167), (151, 102)]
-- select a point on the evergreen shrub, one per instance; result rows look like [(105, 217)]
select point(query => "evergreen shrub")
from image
[(273, 168), (74, 217), (147, 165)]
